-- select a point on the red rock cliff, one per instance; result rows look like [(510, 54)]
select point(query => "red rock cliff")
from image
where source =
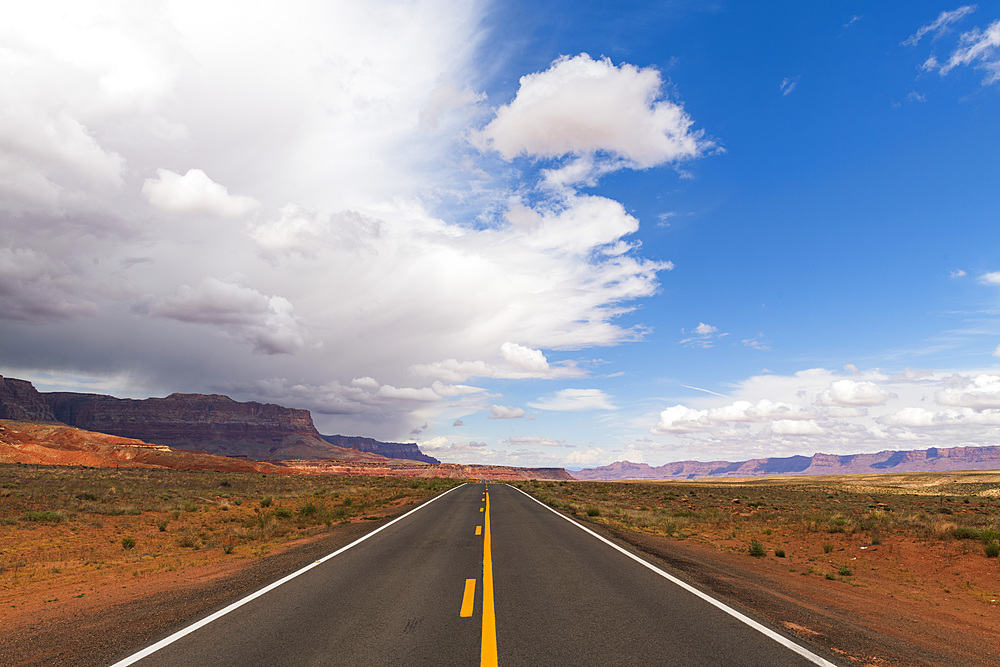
[(20, 400), (211, 423)]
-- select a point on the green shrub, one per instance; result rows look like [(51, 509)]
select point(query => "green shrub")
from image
[(308, 509), (845, 571), (86, 496), (50, 516), (827, 547), (966, 533), (780, 553), (756, 549), (266, 501), (127, 543), (593, 511), (992, 549), (162, 526), (830, 576), (281, 512)]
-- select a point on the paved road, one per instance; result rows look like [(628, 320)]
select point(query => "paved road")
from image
[(480, 575)]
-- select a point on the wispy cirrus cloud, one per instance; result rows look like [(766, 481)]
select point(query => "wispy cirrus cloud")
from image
[(939, 25), (574, 400), (703, 336), (788, 84), (978, 47)]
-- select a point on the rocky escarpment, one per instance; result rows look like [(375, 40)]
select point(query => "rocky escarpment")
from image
[(20, 400), (210, 423), (920, 460), (392, 450), (58, 444)]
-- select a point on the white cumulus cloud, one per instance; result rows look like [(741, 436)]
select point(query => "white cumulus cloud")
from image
[(581, 106), (681, 419), (194, 192), (854, 393), (525, 358), (979, 392), (506, 412)]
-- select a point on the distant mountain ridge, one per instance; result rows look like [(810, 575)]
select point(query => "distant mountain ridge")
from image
[(392, 450), (917, 460), (211, 423)]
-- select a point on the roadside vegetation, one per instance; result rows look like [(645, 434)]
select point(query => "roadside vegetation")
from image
[(816, 524), (71, 526)]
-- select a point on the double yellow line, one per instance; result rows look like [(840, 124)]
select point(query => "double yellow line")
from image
[(488, 653)]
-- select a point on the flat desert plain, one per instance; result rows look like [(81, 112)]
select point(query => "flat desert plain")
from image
[(894, 569), (876, 569)]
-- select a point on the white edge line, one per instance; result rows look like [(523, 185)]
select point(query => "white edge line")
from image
[(149, 650), (784, 641)]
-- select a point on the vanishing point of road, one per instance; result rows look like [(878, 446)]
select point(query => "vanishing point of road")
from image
[(482, 574)]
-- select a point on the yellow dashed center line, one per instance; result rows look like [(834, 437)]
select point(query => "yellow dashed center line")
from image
[(479, 530), (468, 598)]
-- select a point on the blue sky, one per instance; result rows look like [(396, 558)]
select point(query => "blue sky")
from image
[(522, 233)]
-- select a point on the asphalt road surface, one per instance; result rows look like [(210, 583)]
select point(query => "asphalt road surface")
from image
[(482, 574)]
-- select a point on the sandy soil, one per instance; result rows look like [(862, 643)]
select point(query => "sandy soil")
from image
[(907, 600), (900, 607), (115, 616)]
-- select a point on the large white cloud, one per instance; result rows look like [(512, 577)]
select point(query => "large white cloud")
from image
[(525, 358), (582, 107), (274, 202), (681, 419), (853, 393), (194, 192), (979, 392), (267, 323)]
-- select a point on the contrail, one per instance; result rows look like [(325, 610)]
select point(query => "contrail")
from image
[(707, 391)]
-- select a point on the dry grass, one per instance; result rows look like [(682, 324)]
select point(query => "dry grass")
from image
[(69, 530), (958, 511), (920, 504)]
